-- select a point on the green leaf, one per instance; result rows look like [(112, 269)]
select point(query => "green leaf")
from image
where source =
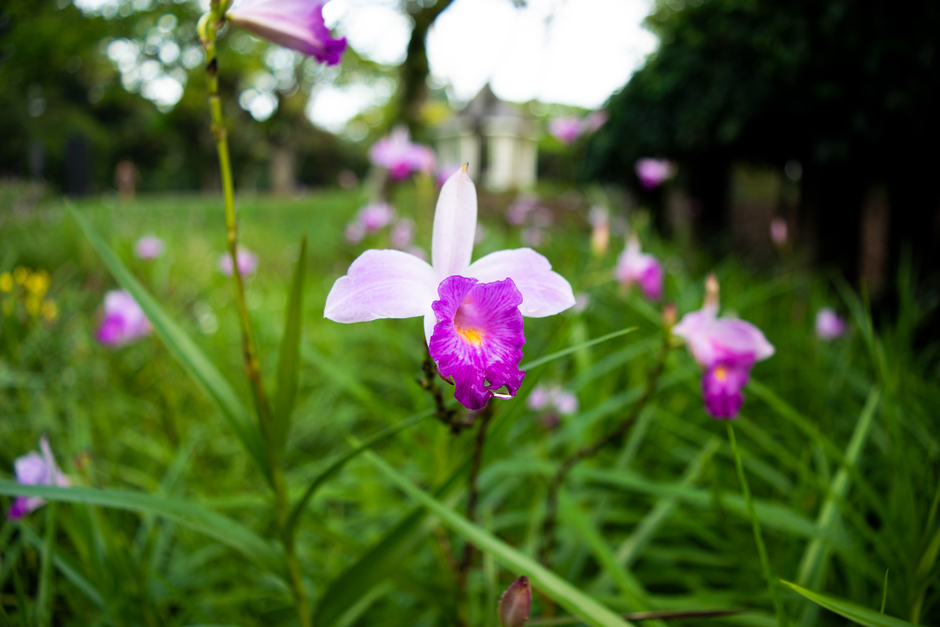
[(566, 595), (541, 361), (343, 459), (202, 371), (816, 553), (851, 611), (206, 522), (288, 364), (61, 564), (44, 597), (379, 562)]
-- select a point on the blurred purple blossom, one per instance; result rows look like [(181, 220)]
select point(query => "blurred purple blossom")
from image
[(149, 247), (829, 325), (294, 24), (247, 262), (566, 130), (634, 266), (595, 120), (532, 236), (403, 233), (124, 321), (397, 154), (35, 468), (518, 212), (653, 172), (778, 231)]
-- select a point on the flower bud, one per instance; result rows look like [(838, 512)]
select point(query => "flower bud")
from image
[(711, 289), (515, 603), (670, 316)]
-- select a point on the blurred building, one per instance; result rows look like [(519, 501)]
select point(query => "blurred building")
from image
[(496, 138)]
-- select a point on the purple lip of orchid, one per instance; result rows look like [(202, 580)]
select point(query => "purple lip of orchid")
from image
[(397, 154), (124, 321), (35, 468), (247, 262), (652, 172), (149, 247), (566, 130), (829, 325), (636, 267), (294, 24), (726, 349), (395, 284), (478, 340)]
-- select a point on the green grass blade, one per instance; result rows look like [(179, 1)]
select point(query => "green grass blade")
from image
[(67, 570), (851, 611), (288, 364), (378, 563), (541, 361), (816, 553), (44, 597), (632, 589), (342, 460), (206, 522), (202, 371), (566, 595)]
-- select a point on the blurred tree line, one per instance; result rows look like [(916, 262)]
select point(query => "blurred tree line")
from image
[(846, 88), (82, 90)]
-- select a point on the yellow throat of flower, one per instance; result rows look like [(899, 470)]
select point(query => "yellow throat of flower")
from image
[(474, 336)]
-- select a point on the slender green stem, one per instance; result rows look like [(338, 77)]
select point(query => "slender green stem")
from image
[(207, 31), (755, 523)]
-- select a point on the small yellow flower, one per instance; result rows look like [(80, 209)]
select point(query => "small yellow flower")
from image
[(20, 275), (50, 311), (6, 282), (38, 283), (33, 305)]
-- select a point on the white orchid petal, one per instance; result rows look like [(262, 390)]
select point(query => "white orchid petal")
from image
[(382, 284), (455, 224), (544, 292)]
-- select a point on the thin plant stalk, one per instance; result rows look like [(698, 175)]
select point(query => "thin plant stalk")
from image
[(755, 523), (473, 492), (207, 32)]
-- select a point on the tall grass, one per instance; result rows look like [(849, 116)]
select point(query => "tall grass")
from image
[(838, 442)]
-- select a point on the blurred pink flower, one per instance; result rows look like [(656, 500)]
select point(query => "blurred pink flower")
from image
[(582, 300), (727, 349), (403, 233), (247, 262), (532, 236), (149, 247), (369, 220), (553, 398), (566, 130), (778, 231), (354, 232), (124, 321), (829, 325), (294, 24), (653, 172), (595, 120), (635, 267), (397, 154), (518, 212), (35, 468)]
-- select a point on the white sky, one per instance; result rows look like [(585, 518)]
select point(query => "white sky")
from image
[(574, 52)]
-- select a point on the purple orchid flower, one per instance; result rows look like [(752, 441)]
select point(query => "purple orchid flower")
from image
[(294, 24), (566, 130), (727, 349), (149, 247), (653, 172), (124, 321), (397, 154), (635, 267), (35, 468), (247, 262), (829, 325), (370, 219), (472, 312)]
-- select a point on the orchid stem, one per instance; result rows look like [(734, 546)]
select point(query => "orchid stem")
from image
[(207, 33), (755, 523), (446, 415), (557, 480)]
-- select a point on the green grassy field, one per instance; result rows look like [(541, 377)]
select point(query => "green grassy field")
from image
[(838, 440)]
